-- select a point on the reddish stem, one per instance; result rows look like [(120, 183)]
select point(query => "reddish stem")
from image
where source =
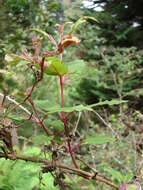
[(65, 124), (38, 117), (42, 67)]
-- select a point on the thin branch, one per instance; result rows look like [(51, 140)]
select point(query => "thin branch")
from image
[(86, 164), (18, 105), (105, 123), (75, 128), (31, 89), (66, 169), (38, 117)]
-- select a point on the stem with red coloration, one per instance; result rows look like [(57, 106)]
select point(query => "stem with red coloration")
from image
[(38, 117), (65, 124)]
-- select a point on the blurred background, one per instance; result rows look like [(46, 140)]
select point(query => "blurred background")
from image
[(107, 65)]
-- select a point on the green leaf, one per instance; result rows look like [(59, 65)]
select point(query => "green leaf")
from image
[(99, 139), (45, 105), (78, 108), (57, 108), (56, 68), (53, 66), (109, 103), (81, 21), (77, 23)]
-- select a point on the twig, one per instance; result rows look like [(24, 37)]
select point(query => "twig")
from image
[(75, 128), (20, 106), (105, 123), (66, 169), (31, 89), (38, 117), (86, 164)]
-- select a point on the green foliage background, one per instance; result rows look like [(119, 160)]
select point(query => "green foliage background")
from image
[(107, 65)]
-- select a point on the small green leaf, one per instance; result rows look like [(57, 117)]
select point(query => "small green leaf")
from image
[(99, 139), (56, 68), (53, 66), (77, 23), (81, 21)]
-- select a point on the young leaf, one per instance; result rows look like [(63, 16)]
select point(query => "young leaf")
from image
[(81, 21), (53, 66), (56, 68)]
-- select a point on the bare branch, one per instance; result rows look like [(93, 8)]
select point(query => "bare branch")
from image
[(66, 169)]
